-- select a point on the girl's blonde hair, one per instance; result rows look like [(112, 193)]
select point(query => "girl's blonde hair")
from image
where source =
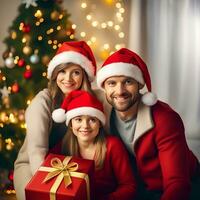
[(56, 94), (70, 146)]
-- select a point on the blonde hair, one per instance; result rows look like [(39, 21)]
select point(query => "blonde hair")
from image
[(70, 146), (56, 94)]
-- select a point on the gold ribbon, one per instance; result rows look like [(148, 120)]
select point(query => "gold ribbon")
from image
[(63, 170)]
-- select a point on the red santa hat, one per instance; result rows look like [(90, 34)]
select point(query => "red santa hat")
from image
[(127, 63), (77, 52), (77, 103)]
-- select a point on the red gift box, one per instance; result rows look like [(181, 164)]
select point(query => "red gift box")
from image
[(49, 182)]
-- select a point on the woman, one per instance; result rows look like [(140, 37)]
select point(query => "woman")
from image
[(86, 138), (73, 67)]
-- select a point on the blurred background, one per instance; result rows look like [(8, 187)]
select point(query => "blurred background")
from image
[(165, 33)]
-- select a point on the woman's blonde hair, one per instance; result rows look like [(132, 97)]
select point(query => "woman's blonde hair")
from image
[(56, 94), (70, 145)]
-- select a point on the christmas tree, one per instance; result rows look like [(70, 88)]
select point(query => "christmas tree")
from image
[(34, 36)]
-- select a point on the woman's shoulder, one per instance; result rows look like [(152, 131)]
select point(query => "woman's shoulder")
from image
[(41, 100)]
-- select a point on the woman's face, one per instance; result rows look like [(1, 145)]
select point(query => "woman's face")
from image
[(69, 79), (85, 128)]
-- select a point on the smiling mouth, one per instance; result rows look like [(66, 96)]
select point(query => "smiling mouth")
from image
[(121, 99), (85, 132), (68, 84)]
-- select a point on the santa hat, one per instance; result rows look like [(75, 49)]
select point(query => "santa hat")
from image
[(77, 103), (127, 63), (77, 52)]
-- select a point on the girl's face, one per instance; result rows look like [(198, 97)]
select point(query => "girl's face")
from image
[(85, 128), (70, 78)]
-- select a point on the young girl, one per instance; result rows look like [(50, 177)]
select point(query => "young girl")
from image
[(72, 68), (86, 138)]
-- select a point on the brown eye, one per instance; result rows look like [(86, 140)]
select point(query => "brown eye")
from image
[(76, 73)]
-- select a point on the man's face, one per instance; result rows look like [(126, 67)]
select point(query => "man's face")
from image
[(122, 92)]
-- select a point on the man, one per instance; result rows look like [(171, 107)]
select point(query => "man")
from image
[(152, 132)]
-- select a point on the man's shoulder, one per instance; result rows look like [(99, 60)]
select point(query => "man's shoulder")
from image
[(163, 111)]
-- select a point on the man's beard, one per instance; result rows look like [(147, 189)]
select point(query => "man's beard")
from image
[(123, 108)]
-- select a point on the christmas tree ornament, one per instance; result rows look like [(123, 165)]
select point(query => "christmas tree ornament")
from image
[(26, 28), (55, 15), (21, 116), (4, 92), (45, 59), (10, 175), (9, 144), (13, 35), (27, 37), (34, 59), (5, 54), (28, 74), (9, 62), (21, 62), (29, 3), (27, 50), (15, 88)]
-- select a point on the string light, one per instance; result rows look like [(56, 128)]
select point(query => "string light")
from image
[(83, 5), (114, 24)]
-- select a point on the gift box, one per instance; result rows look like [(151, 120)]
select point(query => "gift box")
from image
[(62, 178)]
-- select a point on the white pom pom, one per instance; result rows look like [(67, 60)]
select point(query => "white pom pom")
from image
[(149, 98), (58, 115)]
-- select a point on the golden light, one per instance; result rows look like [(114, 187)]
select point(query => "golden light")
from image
[(38, 14), (121, 35), (83, 5), (93, 39), (94, 23), (55, 41), (23, 126), (54, 46), (82, 34), (118, 15), (103, 25), (121, 10), (118, 5), (44, 74), (40, 38), (71, 37), (28, 102), (24, 40), (89, 17), (49, 41), (58, 28), (41, 20), (73, 26), (106, 46), (60, 16), (37, 23), (117, 27), (89, 42), (117, 46), (13, 35), (110, 23)]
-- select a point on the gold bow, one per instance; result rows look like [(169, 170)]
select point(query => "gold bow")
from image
[(63, 170), (62, 167)]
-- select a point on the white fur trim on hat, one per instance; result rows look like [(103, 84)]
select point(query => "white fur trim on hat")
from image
[(58, 115), (149, 98), (73, 57), (85, 111), (119, 69)]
